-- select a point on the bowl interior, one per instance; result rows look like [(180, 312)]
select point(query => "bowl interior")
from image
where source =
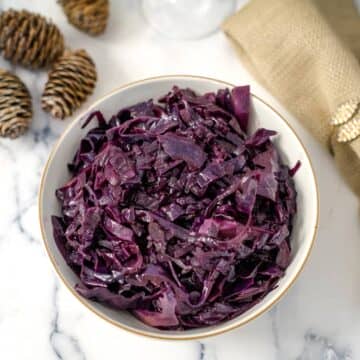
[(291, 149)]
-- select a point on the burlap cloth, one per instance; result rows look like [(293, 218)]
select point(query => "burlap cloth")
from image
[(307, 54)]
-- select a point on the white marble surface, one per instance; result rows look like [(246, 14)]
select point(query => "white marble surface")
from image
[(319, 318)]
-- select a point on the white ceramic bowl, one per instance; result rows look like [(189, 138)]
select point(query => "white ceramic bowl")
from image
[(262, 115)]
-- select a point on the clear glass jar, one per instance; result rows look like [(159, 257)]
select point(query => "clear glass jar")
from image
[(187, 19)]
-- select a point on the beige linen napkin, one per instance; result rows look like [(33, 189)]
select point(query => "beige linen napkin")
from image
[(305, 52)]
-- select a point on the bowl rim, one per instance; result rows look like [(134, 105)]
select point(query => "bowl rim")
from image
[(182, 335)]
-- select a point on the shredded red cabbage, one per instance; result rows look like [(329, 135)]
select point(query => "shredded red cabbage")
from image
[(174, 213)]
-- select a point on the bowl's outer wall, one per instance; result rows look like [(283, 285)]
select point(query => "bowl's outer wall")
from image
[(291, 149)]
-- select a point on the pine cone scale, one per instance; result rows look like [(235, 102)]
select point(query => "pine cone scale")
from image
[(89, 16), (81, 81), (14, 128), (15, 106), (29, 39), (71, 80)]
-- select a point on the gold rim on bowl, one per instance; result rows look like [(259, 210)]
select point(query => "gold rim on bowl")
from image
[(182, 335)]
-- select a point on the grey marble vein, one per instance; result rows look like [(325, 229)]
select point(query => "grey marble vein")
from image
[(19, 213), (23, 209), (207, 352), (318, 347), (20, 209), (45, 136), (275, 332), (64, 346), (202, 351), (39, 139)]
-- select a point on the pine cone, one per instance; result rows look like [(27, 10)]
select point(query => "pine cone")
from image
[(89, 16), (29, 39), (71, 80), (15, 106)]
